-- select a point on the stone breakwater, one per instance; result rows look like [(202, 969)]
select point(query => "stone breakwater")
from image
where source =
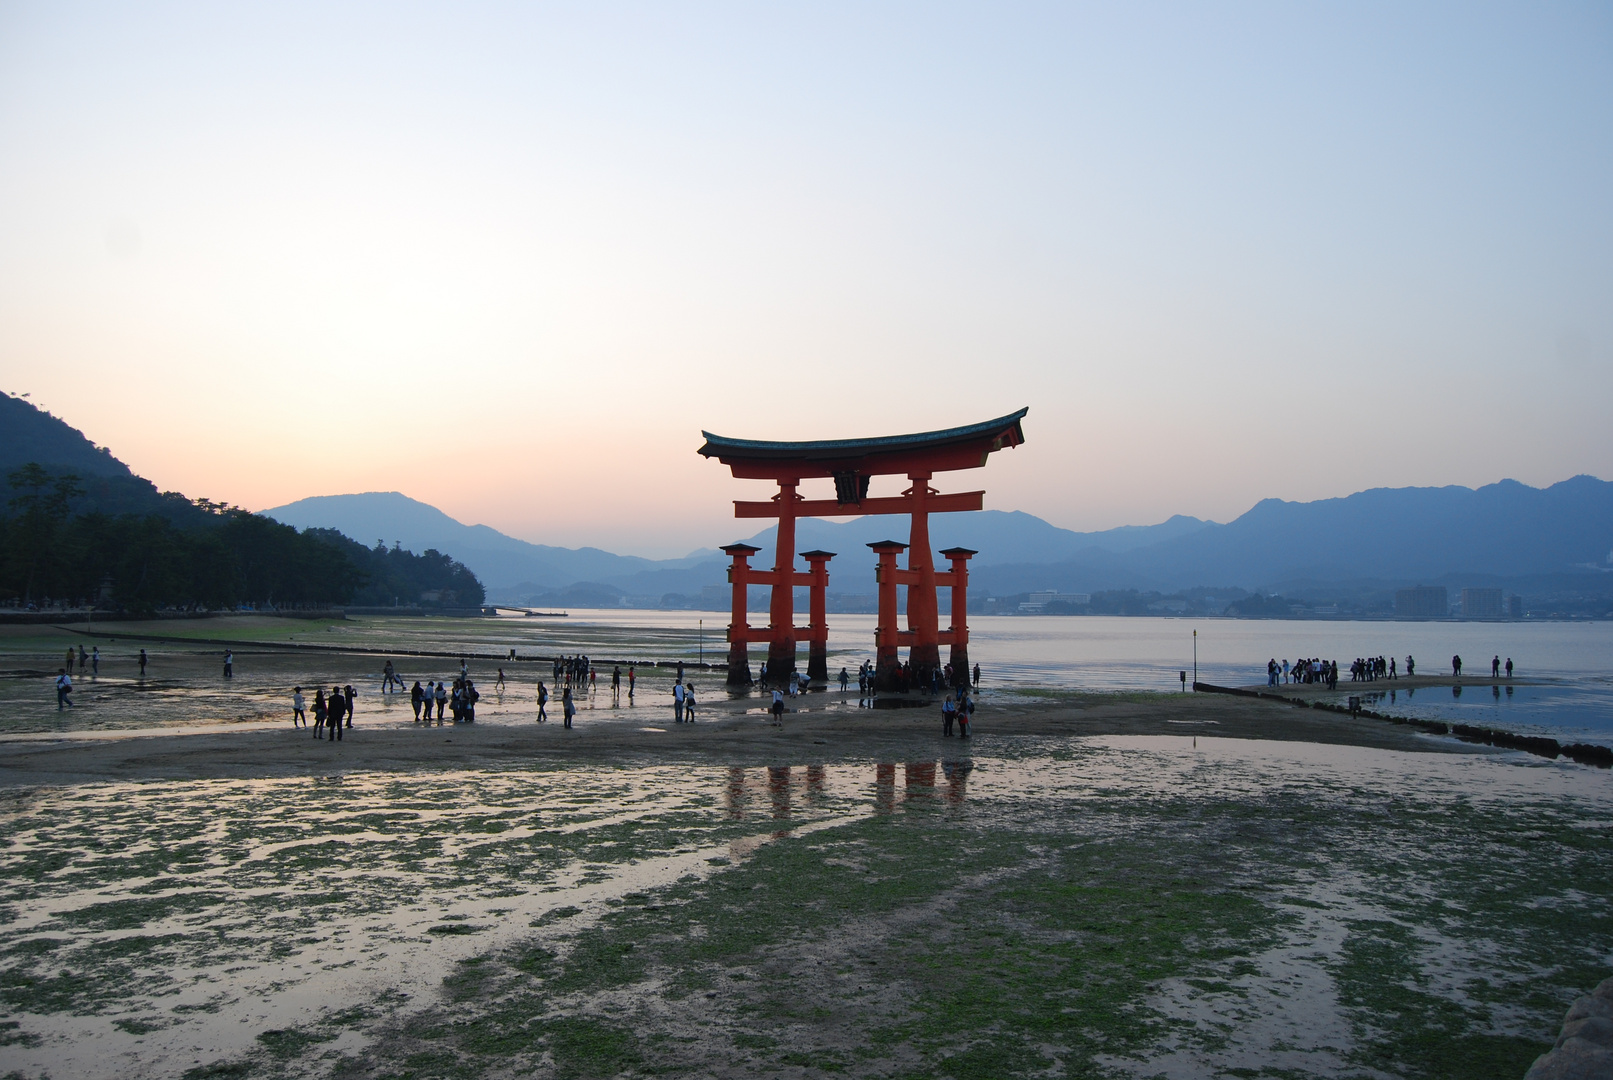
[(1584, 753), (1584, 1049)]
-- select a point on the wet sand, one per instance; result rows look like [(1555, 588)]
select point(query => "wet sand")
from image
[(822, 727)]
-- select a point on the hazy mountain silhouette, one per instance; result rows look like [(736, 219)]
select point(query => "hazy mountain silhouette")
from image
[(515, 567), (1505, 530), (1502, 530), (500, 561)]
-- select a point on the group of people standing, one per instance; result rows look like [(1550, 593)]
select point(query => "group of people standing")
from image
[(329, 713), (959, 707), (1311, 671), (1373, 668), (459, 700), (1363, 669)]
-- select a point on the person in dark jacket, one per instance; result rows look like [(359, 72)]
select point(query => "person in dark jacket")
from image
[(337, 707)]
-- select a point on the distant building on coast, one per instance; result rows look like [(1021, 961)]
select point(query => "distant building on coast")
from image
[(1481, 603), (1514, 606), (1422, 602), (1037, 602)]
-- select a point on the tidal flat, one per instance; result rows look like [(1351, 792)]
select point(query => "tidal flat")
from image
[(1030, 905), (1123, 884)]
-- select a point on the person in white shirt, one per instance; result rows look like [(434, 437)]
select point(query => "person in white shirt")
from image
[(64, 687), (677, 703), (298, 705), (778, 707)]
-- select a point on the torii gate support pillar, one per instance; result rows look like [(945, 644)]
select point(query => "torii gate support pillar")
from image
[(887, 636), (739, 573), (781, 611), (818, 630), (959, 659), (923, 613)]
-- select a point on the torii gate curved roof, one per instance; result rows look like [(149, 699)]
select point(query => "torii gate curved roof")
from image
[(927, 451)]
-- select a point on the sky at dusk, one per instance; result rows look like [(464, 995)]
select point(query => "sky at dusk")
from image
[(512, 259)]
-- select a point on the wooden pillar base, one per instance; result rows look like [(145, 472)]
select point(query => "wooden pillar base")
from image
[(924, 660), (780, 662), (818, 662), (888, 672), (960, 665), (739, 665)]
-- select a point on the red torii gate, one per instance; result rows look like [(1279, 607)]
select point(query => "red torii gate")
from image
[(852, 462)]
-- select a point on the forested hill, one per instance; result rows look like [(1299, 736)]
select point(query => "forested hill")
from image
[(77, 526), (31, 434)]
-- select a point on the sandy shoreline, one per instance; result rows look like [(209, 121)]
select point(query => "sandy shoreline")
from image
[(730, 732)]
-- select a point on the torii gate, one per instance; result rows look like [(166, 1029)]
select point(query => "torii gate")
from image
[(851, 462)]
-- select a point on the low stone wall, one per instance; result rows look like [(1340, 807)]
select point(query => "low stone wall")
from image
[(1584, 1049)]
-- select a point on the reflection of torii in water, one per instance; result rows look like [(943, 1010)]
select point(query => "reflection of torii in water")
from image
[(852, 463)]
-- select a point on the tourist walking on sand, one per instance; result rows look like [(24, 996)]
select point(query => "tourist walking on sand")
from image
[(416, 696), (677, 703), (142, 663), (1411, 667), (567, 706), (631, 679), (83, 658), (69, 660), (1495, 666), (1509, 667), (616, 684), (442, 701), (229, 664), (298, 703), (543, 699), (64, 687), (95, 660), (778, 708), (320, 713), (499, 683), (949, 711), (966, 716), (1456, 667), (347, 704), (688, 702)]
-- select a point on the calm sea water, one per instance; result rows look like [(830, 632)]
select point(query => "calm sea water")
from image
[(1114, 653)]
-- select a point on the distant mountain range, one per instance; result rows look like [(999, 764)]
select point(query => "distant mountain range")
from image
[(1503, 531), (1500, 534)]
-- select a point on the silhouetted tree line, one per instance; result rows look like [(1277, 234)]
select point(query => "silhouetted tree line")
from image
[(396, 574), (180, 553)]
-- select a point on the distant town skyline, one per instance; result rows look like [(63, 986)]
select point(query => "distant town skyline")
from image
[(512, 261)]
